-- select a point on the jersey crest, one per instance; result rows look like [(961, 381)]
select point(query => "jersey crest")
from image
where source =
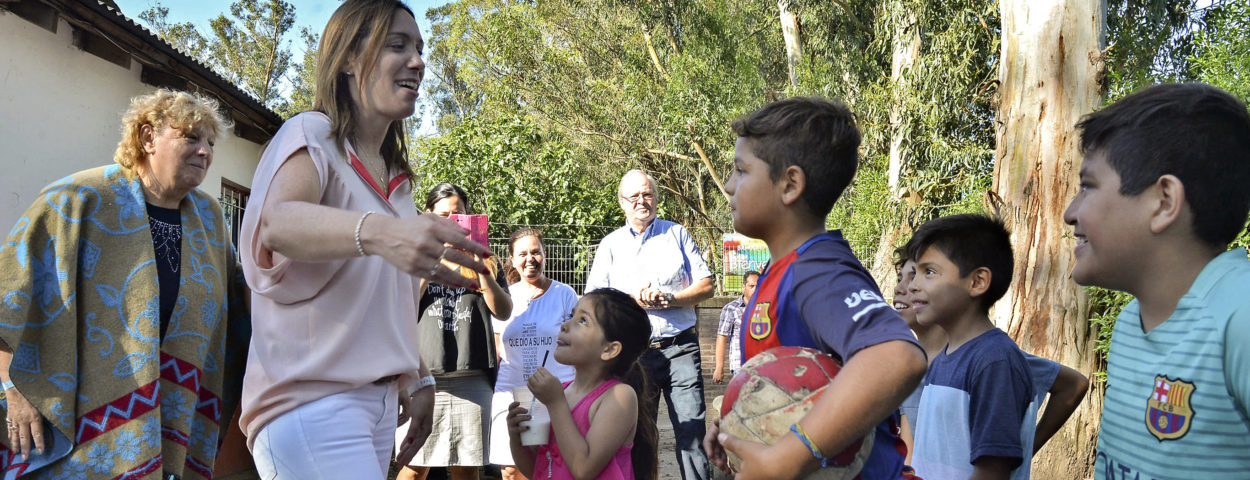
[(761, 324), (765, 322), (1168, 412)]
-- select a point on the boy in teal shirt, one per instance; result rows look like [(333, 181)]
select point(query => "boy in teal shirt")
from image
[(1164, 190)]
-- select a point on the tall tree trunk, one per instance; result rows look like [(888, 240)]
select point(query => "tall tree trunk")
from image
[(882, 264), (790, 32), (905, 44), (906, 51), (1048, 73)]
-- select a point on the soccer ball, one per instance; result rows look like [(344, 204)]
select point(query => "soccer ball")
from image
[(773, 391)]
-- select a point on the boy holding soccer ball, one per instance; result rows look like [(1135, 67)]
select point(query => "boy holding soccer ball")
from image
[(792, 160)]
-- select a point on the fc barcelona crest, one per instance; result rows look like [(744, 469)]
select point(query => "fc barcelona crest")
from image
[(1168, 413), (760, 326)]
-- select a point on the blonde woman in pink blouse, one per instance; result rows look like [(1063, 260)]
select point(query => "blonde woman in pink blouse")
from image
[(335, 253)]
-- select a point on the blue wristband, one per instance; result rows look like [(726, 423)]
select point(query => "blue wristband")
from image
[(811, 446), (7, 385)]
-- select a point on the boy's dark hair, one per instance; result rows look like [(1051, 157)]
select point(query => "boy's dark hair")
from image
[(444, 190), (1198, 133), (749, 273), (622, 320), (903, 254), (817, 135), (970, 241)]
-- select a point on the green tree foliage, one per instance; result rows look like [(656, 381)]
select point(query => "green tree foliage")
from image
[(1148, 41), (948, 105), (1222, 56), (303, 77), (944, 101), (655, 85), (519, 175), (249, 49), (183, 36), (649, 85), (448, 93), (1104, 307)]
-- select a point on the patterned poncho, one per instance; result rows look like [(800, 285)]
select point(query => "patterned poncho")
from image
[(79, 307)]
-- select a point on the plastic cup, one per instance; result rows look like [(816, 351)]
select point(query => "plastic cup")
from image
[(540, 421)]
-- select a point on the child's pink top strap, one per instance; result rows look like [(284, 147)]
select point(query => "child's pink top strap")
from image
[(550, 464)]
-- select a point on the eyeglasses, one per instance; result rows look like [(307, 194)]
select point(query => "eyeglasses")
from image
[(639, 197)]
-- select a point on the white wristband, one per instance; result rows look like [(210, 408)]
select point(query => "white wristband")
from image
[(423, 382)]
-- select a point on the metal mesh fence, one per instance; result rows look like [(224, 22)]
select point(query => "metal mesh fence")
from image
[(740, 254), (568, 261)]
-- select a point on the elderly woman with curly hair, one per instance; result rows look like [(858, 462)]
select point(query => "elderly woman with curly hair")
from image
[(123, 322)]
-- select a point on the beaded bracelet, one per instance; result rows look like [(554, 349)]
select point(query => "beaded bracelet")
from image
[(359, 247), (811, 446)]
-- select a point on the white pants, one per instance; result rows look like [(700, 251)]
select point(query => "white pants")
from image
[(345, 435)]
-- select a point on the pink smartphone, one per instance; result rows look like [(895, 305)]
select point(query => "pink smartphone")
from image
[(477, 225)]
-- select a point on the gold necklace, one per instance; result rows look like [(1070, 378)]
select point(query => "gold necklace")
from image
[(381, 178), (382, 183)]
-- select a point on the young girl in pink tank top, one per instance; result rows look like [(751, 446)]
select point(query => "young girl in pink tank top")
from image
[(598, 426)]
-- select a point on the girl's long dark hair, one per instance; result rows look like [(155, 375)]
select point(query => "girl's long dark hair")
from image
[(622, 320)]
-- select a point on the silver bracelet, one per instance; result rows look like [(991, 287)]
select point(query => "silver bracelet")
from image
[(359, 247)]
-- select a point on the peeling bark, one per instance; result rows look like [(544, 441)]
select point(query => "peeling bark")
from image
[(906, 52), (790, 32), (882, 266), (905, 45), (1048, 80)]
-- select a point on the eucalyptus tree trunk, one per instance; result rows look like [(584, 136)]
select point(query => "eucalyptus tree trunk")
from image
[(906, 51), (790, 32), (905, 46), (1049, 77)]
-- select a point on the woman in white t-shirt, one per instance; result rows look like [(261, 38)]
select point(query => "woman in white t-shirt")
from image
[(539, 306)]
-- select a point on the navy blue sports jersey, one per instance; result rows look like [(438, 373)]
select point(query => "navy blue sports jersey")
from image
[(819, 296)]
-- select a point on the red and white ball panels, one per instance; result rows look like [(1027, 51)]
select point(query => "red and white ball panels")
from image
[(777, 388)]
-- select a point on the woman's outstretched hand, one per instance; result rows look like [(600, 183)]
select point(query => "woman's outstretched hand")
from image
[(418, 245)]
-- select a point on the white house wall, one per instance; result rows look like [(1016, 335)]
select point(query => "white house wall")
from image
[(60, 112)]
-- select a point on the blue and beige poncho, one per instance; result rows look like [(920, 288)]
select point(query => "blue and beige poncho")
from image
[(79, 306)]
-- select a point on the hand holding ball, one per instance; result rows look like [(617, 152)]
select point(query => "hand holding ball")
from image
[(777, 388)]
